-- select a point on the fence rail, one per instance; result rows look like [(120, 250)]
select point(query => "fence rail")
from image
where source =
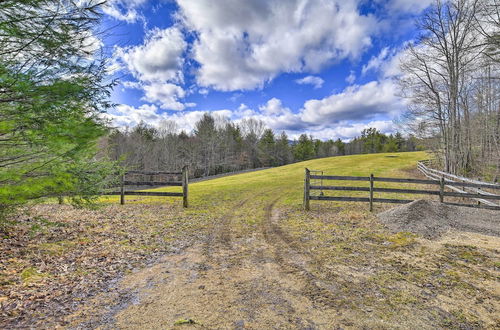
[(183, 183), (453, 181), (442, 183)]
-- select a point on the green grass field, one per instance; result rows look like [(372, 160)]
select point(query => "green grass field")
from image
[(286, 182)]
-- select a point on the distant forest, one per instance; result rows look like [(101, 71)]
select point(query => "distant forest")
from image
[(218, 145)]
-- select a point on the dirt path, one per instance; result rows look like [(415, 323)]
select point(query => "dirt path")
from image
[(249, 273), (228, 281)]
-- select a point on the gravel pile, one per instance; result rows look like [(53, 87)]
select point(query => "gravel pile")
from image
[(431, 219)]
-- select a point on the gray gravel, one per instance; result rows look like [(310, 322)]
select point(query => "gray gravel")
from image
[(431, 219)]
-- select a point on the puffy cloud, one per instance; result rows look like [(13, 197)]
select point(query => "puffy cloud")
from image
[(342, 115), (317, 82), (273, 107), (242, 44), (124, 10), (160, 58), (126, 115), (166, 95), (355, 102)]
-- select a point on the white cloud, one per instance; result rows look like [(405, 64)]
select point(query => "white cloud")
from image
[(317, 82), (386, 63), (355, 102), (408, 6), (351, 78), (273, 107), (126, 115), (242, 44), (160, 58), (342, 115), (203, 91), (124, 10), (347, 131), (166, 95)]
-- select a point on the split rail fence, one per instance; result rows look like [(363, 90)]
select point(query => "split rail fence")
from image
[(442, 183), (460, 184), (126, 181)]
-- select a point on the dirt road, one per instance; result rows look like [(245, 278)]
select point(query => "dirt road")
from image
[(253, 274), (231, 280)]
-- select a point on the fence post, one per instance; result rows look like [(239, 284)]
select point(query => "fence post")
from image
[(122, 189), (307, 182), (371, 192), (441, 190), (185, 190)]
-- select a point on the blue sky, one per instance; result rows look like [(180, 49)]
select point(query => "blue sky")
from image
[(322, 67)]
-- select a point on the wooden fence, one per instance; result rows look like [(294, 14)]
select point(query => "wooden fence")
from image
[(371, 189), (459, 184), (184, 175)]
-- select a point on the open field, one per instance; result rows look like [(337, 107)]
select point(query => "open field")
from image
[(245, 255)]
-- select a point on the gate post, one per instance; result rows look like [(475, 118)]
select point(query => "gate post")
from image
[(185, 190), (122, 189), (307, 182), (371, 192), (441, 190)]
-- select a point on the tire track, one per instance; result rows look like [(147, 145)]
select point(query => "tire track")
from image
[(288, 257)]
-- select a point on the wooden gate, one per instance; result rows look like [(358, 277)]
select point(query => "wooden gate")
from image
[(154, 181), (371, 189)]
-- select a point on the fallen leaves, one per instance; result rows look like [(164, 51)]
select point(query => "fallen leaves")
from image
[(55, 257)]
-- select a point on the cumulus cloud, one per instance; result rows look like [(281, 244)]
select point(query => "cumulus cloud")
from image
[(166, 95), (124, 10), (160, 58), (317, 82), (355, 102), (242, 44), (157, 66), (125, 115), (341, 115)]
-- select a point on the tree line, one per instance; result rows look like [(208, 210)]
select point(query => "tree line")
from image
[(218, 145), (451, 75)]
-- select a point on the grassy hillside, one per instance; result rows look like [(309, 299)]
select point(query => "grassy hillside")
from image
[(286, 182)]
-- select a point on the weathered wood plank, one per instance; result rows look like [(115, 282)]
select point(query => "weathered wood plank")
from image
[(343, 188), (472, 185), (360, 199), (146, 193), (407, 191), (335, 198), (467, 182), (153, 172), (153, 183), (468, 195), (386, 190), (389, 200), (419, 181), (307, 186), (185, 186), (336, 177)]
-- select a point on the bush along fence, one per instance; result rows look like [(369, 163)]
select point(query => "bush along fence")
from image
[(442, 183), (165, 180)]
